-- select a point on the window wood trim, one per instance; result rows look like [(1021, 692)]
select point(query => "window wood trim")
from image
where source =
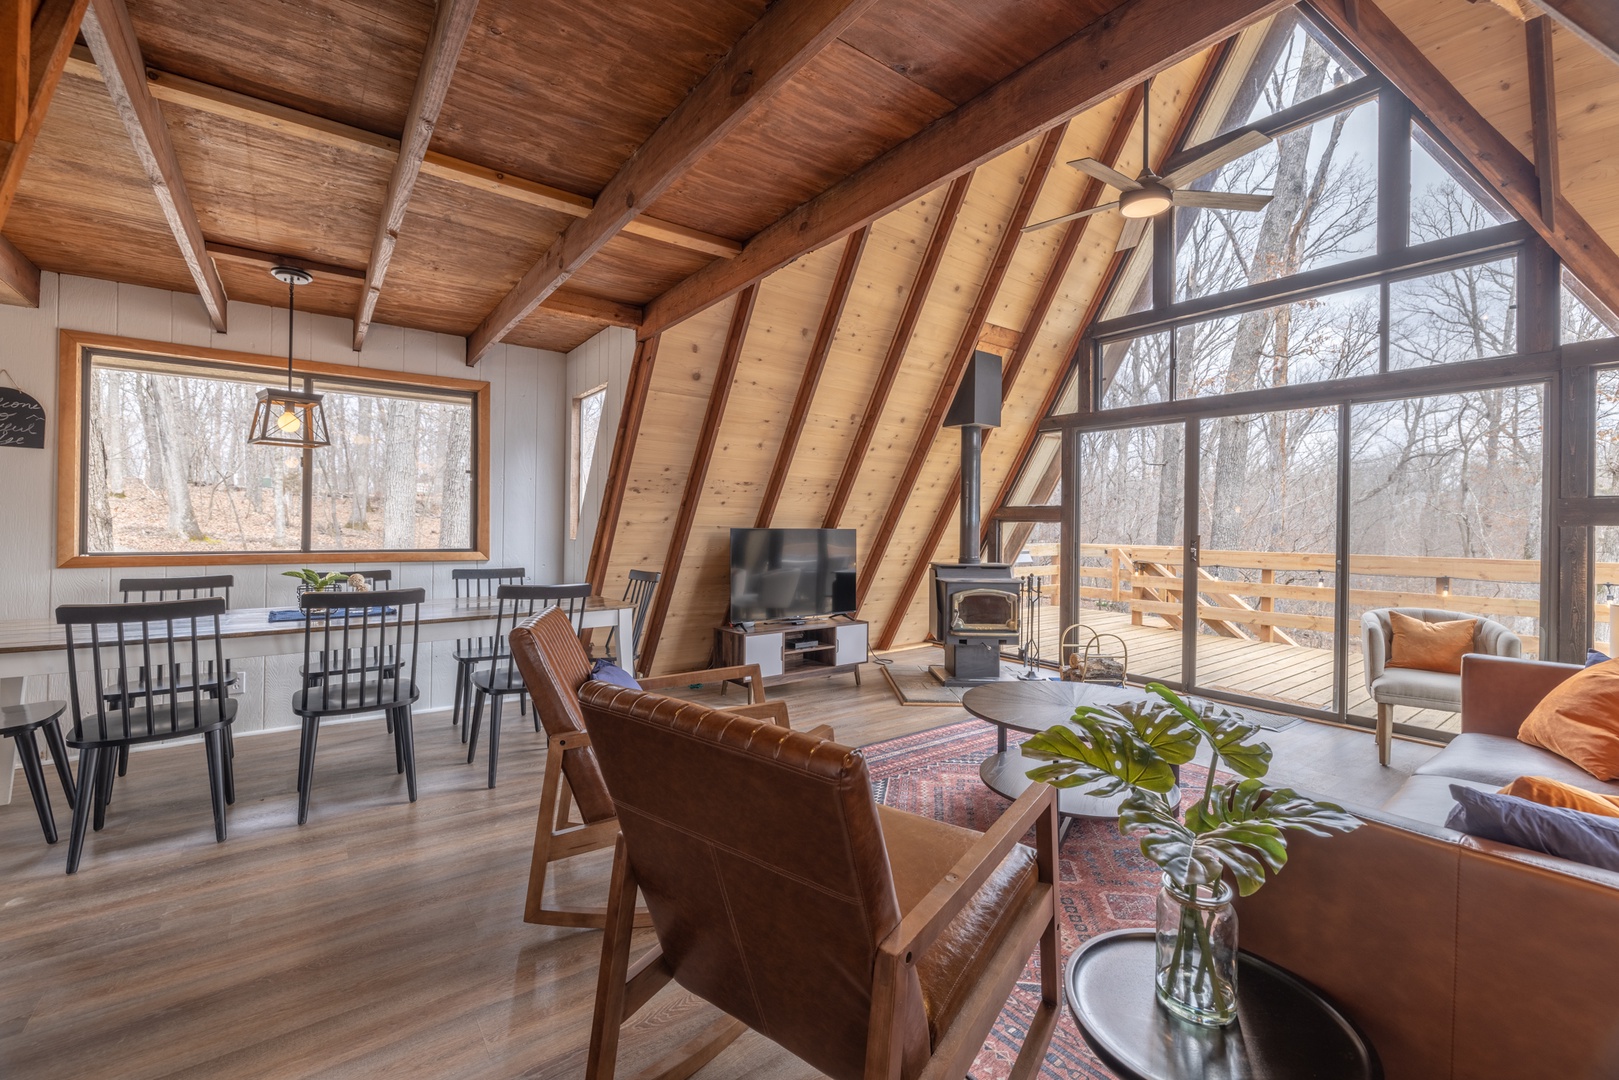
[(72, 345)]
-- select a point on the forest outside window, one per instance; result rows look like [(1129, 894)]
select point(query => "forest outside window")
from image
[(163, 472), (584, 427)]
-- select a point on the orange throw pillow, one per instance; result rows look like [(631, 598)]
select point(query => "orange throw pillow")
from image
[(1548, 792), (1436, 646), (1579, 720)]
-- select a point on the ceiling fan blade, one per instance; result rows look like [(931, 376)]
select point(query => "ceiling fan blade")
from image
[(1219, 200), (1134, 230), (1105, 173), (1075, 216), (1219, 157)]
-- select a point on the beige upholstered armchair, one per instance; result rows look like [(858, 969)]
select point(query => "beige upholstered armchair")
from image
[(1413, 687)]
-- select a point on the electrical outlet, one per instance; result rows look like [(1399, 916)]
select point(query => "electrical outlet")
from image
[(241, 683)]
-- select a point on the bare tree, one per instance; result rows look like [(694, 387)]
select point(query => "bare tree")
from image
[(399, 474)]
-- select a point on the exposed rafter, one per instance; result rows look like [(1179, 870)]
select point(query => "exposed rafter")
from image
[(1596, 21), (897, 345), (267, 116), (1507, 171), (811, 379), (1062, 261), (450, 27), (1543, 113), (928, 430), (618, 468), (19, 277), (1137, 39), (768, 55), (16, 33), (697, 477), (111, 37)]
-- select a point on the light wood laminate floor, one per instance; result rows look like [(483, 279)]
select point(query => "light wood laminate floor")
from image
[(382, 939)]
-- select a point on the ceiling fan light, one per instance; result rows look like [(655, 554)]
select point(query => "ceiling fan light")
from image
[(1145, 202)]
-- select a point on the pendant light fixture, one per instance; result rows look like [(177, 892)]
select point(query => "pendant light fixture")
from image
[(289, 417)]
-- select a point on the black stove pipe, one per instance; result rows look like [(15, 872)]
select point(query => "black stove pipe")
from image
[(972, 461)]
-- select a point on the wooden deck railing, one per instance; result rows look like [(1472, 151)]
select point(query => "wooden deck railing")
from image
[(1238, 591)]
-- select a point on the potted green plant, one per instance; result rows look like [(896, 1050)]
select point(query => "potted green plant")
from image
[(1236, 828), (314, 580)]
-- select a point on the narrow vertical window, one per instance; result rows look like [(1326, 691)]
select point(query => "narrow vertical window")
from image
[(584, 428)]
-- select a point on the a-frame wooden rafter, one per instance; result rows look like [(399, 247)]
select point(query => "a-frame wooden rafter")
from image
[(630, 415)]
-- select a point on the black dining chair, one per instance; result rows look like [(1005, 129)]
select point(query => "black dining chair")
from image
[(475, 585), (345, 640), (143, 590), (501, 679), (19, 723), (179, 639), (639, 590)]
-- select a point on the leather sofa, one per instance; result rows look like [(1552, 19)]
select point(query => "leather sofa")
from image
[(1461, 959)]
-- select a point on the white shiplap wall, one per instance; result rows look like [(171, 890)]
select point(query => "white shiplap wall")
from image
[(528, 408), (604, 359)]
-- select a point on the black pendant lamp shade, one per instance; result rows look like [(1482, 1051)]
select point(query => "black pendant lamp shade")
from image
[(289, 418)]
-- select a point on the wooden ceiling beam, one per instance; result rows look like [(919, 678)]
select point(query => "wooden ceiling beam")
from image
[(789, 35), (1061, 263), (1117, 51), (1543, 114), (928, 431), (267, 116), (19, 277), (814, 366), (1507, 171), (897, 346), (1596, 22), (111, 37), (16, 40), (450, 27), (618, 468), (697, 478)]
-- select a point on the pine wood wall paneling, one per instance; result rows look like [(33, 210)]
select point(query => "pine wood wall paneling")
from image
[(786, 38), (1496, 158), (811, 380), (618, 472), (930, 428), (450, 26), (898, 344), (55, 26), (1137, 39), (697, 476), (949, 507)]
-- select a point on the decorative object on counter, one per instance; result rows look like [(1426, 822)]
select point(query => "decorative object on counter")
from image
[(22, 417), (289, 418), (358, 583), (1238, 827), (315, 581)]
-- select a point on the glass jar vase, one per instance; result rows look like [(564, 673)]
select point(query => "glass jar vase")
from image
[(1197, 953)]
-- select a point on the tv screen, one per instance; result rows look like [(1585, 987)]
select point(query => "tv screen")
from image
[(791, 573)]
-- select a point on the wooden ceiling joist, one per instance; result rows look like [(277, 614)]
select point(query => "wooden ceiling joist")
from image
[(16, 40), (1137, 39), (930, 426), (1062, 261), (697, 477), (1543, 113), (789, 35), (267, 116), (450, 26), (1497, 160), (1596, 21), (618, 466), (820, 349), (111, 37), (897, 346)]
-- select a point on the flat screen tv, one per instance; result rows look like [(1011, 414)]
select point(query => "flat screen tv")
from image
[(791, 574)]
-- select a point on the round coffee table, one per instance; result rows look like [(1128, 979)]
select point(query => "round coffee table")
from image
[(1283, 1026), (1031, 707)]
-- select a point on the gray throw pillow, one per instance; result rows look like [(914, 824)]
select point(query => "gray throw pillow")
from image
[(607, 672), (1507, 819)]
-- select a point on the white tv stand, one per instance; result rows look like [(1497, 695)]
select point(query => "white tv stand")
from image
[(836, 646)]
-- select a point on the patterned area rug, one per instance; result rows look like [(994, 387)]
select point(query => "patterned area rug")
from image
[(1106, 884)]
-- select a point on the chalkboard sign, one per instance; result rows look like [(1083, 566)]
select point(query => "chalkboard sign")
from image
[(22, 420)]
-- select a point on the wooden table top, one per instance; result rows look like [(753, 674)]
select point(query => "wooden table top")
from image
[(44, 635)]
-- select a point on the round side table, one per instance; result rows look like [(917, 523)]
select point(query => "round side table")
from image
[(1284, 1028)]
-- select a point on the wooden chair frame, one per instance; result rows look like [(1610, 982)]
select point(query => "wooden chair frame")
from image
[(557, 836), (623, 987)]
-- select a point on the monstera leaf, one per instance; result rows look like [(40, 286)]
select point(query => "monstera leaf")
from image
[(1238, 829), (1159, 726), (1229, 732), (1104, 757)]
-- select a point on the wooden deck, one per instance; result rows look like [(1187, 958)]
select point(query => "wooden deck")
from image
[(1285, 674)]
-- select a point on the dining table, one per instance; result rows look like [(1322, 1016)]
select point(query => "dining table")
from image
[(38, 647)]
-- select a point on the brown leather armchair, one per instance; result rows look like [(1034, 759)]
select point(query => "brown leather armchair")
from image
[(554, 665), (869, 942)]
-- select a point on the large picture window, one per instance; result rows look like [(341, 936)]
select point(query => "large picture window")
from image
[(156, 467)]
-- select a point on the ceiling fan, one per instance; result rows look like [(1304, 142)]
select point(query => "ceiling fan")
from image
[(1148, 195)]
